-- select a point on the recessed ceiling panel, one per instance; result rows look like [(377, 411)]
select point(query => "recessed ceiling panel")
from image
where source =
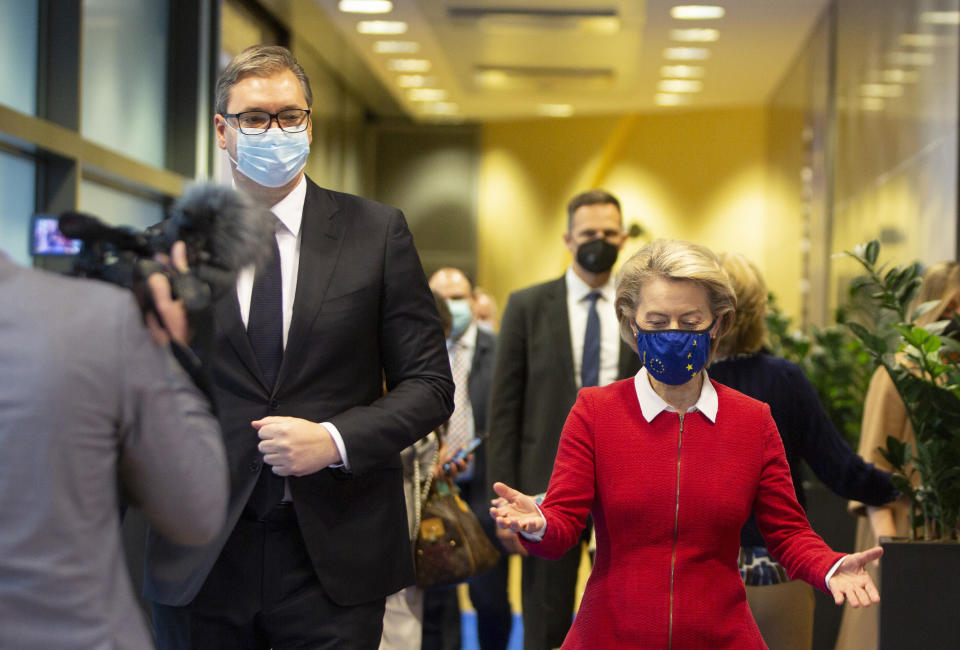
[(506, 59)]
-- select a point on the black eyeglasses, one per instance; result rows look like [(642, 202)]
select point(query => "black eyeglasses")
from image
[(292, 120)]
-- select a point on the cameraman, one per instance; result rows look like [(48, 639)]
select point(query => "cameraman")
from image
[(90, 400)]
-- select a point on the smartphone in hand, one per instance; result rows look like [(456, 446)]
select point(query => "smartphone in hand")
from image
[(462, 453)]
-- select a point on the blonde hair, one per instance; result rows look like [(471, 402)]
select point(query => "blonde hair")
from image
[(941, 282), (670, 259), (748, 334)]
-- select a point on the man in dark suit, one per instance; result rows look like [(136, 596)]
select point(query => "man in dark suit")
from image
[(471, 351), (316, 532), (555, 338)]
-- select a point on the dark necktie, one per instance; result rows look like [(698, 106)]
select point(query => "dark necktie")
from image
[(590, 364), (265, 331), (265, 324)]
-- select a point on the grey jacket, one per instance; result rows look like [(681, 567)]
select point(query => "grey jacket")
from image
[(89, 402)]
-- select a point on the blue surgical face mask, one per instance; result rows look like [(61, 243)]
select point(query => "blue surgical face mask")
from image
[(274, 158), (674, 356), (460, 310)]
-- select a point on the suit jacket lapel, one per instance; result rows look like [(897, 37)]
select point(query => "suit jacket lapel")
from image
[(480, 353), (227, 313), (558, 322), (321, 237)]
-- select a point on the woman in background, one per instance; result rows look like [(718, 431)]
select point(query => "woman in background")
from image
[(783, 608), (670, 465), (884, 414)]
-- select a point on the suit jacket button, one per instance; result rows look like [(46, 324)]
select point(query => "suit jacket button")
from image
[(255, 466), (274, 405)]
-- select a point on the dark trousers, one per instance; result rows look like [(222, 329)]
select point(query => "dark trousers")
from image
[(263, 593), (549, 593), (488, 593), (441, 619)]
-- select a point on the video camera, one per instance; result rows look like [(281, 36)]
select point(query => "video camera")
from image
[(223, 230)]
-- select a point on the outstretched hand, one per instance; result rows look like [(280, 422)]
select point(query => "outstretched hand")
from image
[(515, 511), (852, 582)]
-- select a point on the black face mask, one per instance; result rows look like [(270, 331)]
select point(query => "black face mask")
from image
[(597, 255)]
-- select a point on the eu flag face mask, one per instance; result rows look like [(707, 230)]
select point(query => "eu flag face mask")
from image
[(674, 356), (274, 158)]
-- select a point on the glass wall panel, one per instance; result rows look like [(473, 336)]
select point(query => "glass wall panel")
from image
[(17, 203), (896, 157), (798, 161), (117, 207), (124, 76), (18, 54)]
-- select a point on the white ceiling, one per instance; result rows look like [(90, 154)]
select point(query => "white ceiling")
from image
[(594, 56)]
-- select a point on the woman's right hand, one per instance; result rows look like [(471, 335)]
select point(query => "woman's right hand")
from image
[(515, 511)]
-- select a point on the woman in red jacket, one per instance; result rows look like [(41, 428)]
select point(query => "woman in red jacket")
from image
[(670, 465)]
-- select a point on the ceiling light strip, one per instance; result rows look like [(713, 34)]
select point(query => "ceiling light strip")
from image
[(365, 6), (382, 27), (697, 12)]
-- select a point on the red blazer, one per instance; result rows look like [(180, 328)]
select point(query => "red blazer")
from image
[(668, 506)]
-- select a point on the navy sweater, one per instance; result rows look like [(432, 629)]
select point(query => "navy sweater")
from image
[(807, 432)]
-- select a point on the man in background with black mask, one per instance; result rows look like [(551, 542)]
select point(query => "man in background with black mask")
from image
[(555, 338)]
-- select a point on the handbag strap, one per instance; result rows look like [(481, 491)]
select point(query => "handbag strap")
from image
[(422, 494)]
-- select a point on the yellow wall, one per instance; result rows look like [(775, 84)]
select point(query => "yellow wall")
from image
[(697, 175)]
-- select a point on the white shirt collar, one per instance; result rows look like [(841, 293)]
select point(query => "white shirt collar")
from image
[(289, 209), (579, 289), (652, 404), (467, 340)]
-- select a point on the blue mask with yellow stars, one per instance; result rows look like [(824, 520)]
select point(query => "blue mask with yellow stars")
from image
[(674, 356)]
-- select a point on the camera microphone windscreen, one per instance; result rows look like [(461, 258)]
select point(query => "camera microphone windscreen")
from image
[(235, 228)]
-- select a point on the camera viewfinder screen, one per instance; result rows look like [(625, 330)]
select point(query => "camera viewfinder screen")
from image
[(46, 238)]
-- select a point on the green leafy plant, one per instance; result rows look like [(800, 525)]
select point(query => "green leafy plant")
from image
[(925, 368)]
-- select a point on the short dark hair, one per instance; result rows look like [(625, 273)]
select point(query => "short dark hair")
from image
[(590, 197), (259, 61)]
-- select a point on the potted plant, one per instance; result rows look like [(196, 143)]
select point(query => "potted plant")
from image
[(839, 367), (920, 590)]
